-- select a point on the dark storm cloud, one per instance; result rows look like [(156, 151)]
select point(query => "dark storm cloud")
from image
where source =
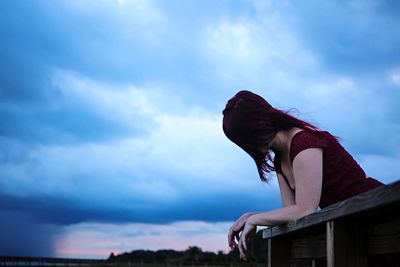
[(50, 210), (21, 235), (66, 124), (61, 211)]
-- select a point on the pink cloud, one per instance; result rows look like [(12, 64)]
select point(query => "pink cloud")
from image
[(94, 240)]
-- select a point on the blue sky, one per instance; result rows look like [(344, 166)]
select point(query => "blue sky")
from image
[(110, 112)]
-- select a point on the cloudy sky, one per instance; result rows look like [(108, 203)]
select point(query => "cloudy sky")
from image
[(110, 112)]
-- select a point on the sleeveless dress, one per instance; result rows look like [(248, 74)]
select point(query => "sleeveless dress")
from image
[(342, 176)]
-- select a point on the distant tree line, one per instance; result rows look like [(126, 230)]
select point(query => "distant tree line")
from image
[(193, 255)]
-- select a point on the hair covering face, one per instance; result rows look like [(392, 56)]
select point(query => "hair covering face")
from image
[(252, 123), (243, 117)]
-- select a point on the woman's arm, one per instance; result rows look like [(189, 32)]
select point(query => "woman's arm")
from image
[(279, 216), (287, 195), (307, 171)]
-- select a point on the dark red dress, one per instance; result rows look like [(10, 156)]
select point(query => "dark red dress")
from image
[(342, 176)]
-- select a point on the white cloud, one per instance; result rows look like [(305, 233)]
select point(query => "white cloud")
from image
[(99, 240), (184, 139), (394, 76), (182, 142), (120, 102), (268, 56), (255, 50)]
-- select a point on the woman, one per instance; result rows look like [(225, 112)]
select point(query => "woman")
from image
[(312, 168)]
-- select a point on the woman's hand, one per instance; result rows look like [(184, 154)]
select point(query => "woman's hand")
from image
[(236, 228), (247, 234)]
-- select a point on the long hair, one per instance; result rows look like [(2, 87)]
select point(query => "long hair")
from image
[(252, 123)]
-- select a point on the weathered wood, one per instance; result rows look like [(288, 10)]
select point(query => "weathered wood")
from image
[(318, 263), (301, 263), (334, 240), (373, 199), (384, 237), (309, 247), (346, 244), (356, 244), (330, 242), (278, 252)]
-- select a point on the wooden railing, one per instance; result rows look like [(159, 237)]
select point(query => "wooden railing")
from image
[(360, 231)]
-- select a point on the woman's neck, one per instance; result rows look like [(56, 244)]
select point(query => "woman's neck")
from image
[(283, 139)]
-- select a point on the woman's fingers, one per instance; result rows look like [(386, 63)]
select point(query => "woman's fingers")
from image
[(241, 232), (234, 231), (232, 235), (242, 249), (237, 237), (245, 244), (231, 243), (245, 236)]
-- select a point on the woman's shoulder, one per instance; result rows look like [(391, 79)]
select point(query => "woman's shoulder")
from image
[(312, 135), (309, 138)]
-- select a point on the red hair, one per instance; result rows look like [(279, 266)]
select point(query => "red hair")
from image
[(252, 123)]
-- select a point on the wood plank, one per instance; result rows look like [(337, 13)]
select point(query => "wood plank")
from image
[(334, 238), (356, 238), (307, 263), (301, 263), (278, 252), (346, 244), (373, 199), (309, 247), (384, 237)]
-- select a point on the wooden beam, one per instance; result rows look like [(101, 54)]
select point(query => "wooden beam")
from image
[(371, 200)]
